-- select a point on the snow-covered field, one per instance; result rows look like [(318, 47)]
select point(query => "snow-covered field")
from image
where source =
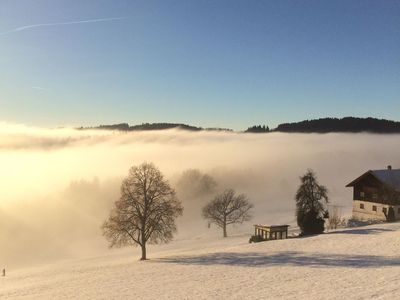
[(356, 263)]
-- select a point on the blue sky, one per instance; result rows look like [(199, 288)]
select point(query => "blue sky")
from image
[(207, 63)]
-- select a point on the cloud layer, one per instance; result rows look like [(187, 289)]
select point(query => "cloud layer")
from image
[(58, 185)]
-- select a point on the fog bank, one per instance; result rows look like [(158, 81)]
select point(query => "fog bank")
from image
[(58, 185)]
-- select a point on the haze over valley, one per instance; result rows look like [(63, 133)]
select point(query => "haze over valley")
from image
[(58, 185)]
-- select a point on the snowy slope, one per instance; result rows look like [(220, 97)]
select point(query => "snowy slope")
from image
[(358, 263)]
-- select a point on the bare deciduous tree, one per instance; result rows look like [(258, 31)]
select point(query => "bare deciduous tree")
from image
[(194, 183), (145, 212), (228, 208), (335, 217)]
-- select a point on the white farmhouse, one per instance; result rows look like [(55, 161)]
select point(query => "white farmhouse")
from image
[(376, 194)]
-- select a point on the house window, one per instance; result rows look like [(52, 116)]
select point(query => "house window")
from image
[(384, 210), (362, 205), (362, 194), (374, 208)]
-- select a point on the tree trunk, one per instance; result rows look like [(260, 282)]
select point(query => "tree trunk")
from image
[(143, 238), (143, 252), (224, 227)]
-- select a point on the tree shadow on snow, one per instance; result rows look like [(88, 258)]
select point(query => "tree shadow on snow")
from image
[(362, 231), (255, 259)]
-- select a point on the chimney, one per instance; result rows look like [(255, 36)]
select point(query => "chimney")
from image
[(389, 167)]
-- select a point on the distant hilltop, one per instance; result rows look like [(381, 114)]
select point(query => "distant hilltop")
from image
[(153, 126), (323, 125), (348, 124)]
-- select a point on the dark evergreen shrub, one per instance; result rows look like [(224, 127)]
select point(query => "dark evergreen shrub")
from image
[(310, 222), (256, 239), (390, 215)]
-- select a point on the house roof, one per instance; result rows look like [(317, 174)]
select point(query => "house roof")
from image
[(390, 177), (270, 226)]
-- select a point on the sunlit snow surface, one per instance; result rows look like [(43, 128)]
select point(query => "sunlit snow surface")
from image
[(357, 263)]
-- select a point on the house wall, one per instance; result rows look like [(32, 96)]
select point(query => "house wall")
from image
[(368, 214)]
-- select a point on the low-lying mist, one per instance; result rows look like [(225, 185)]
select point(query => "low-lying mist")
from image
[(57, 186)]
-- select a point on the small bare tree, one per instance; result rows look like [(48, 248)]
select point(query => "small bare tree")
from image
[(145, 212), (227, 208), (335, 216), (195, 184)]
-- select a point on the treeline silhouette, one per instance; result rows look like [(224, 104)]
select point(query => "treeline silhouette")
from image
[(324, 125), (348, 124), (153, 126), (258, 129)]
